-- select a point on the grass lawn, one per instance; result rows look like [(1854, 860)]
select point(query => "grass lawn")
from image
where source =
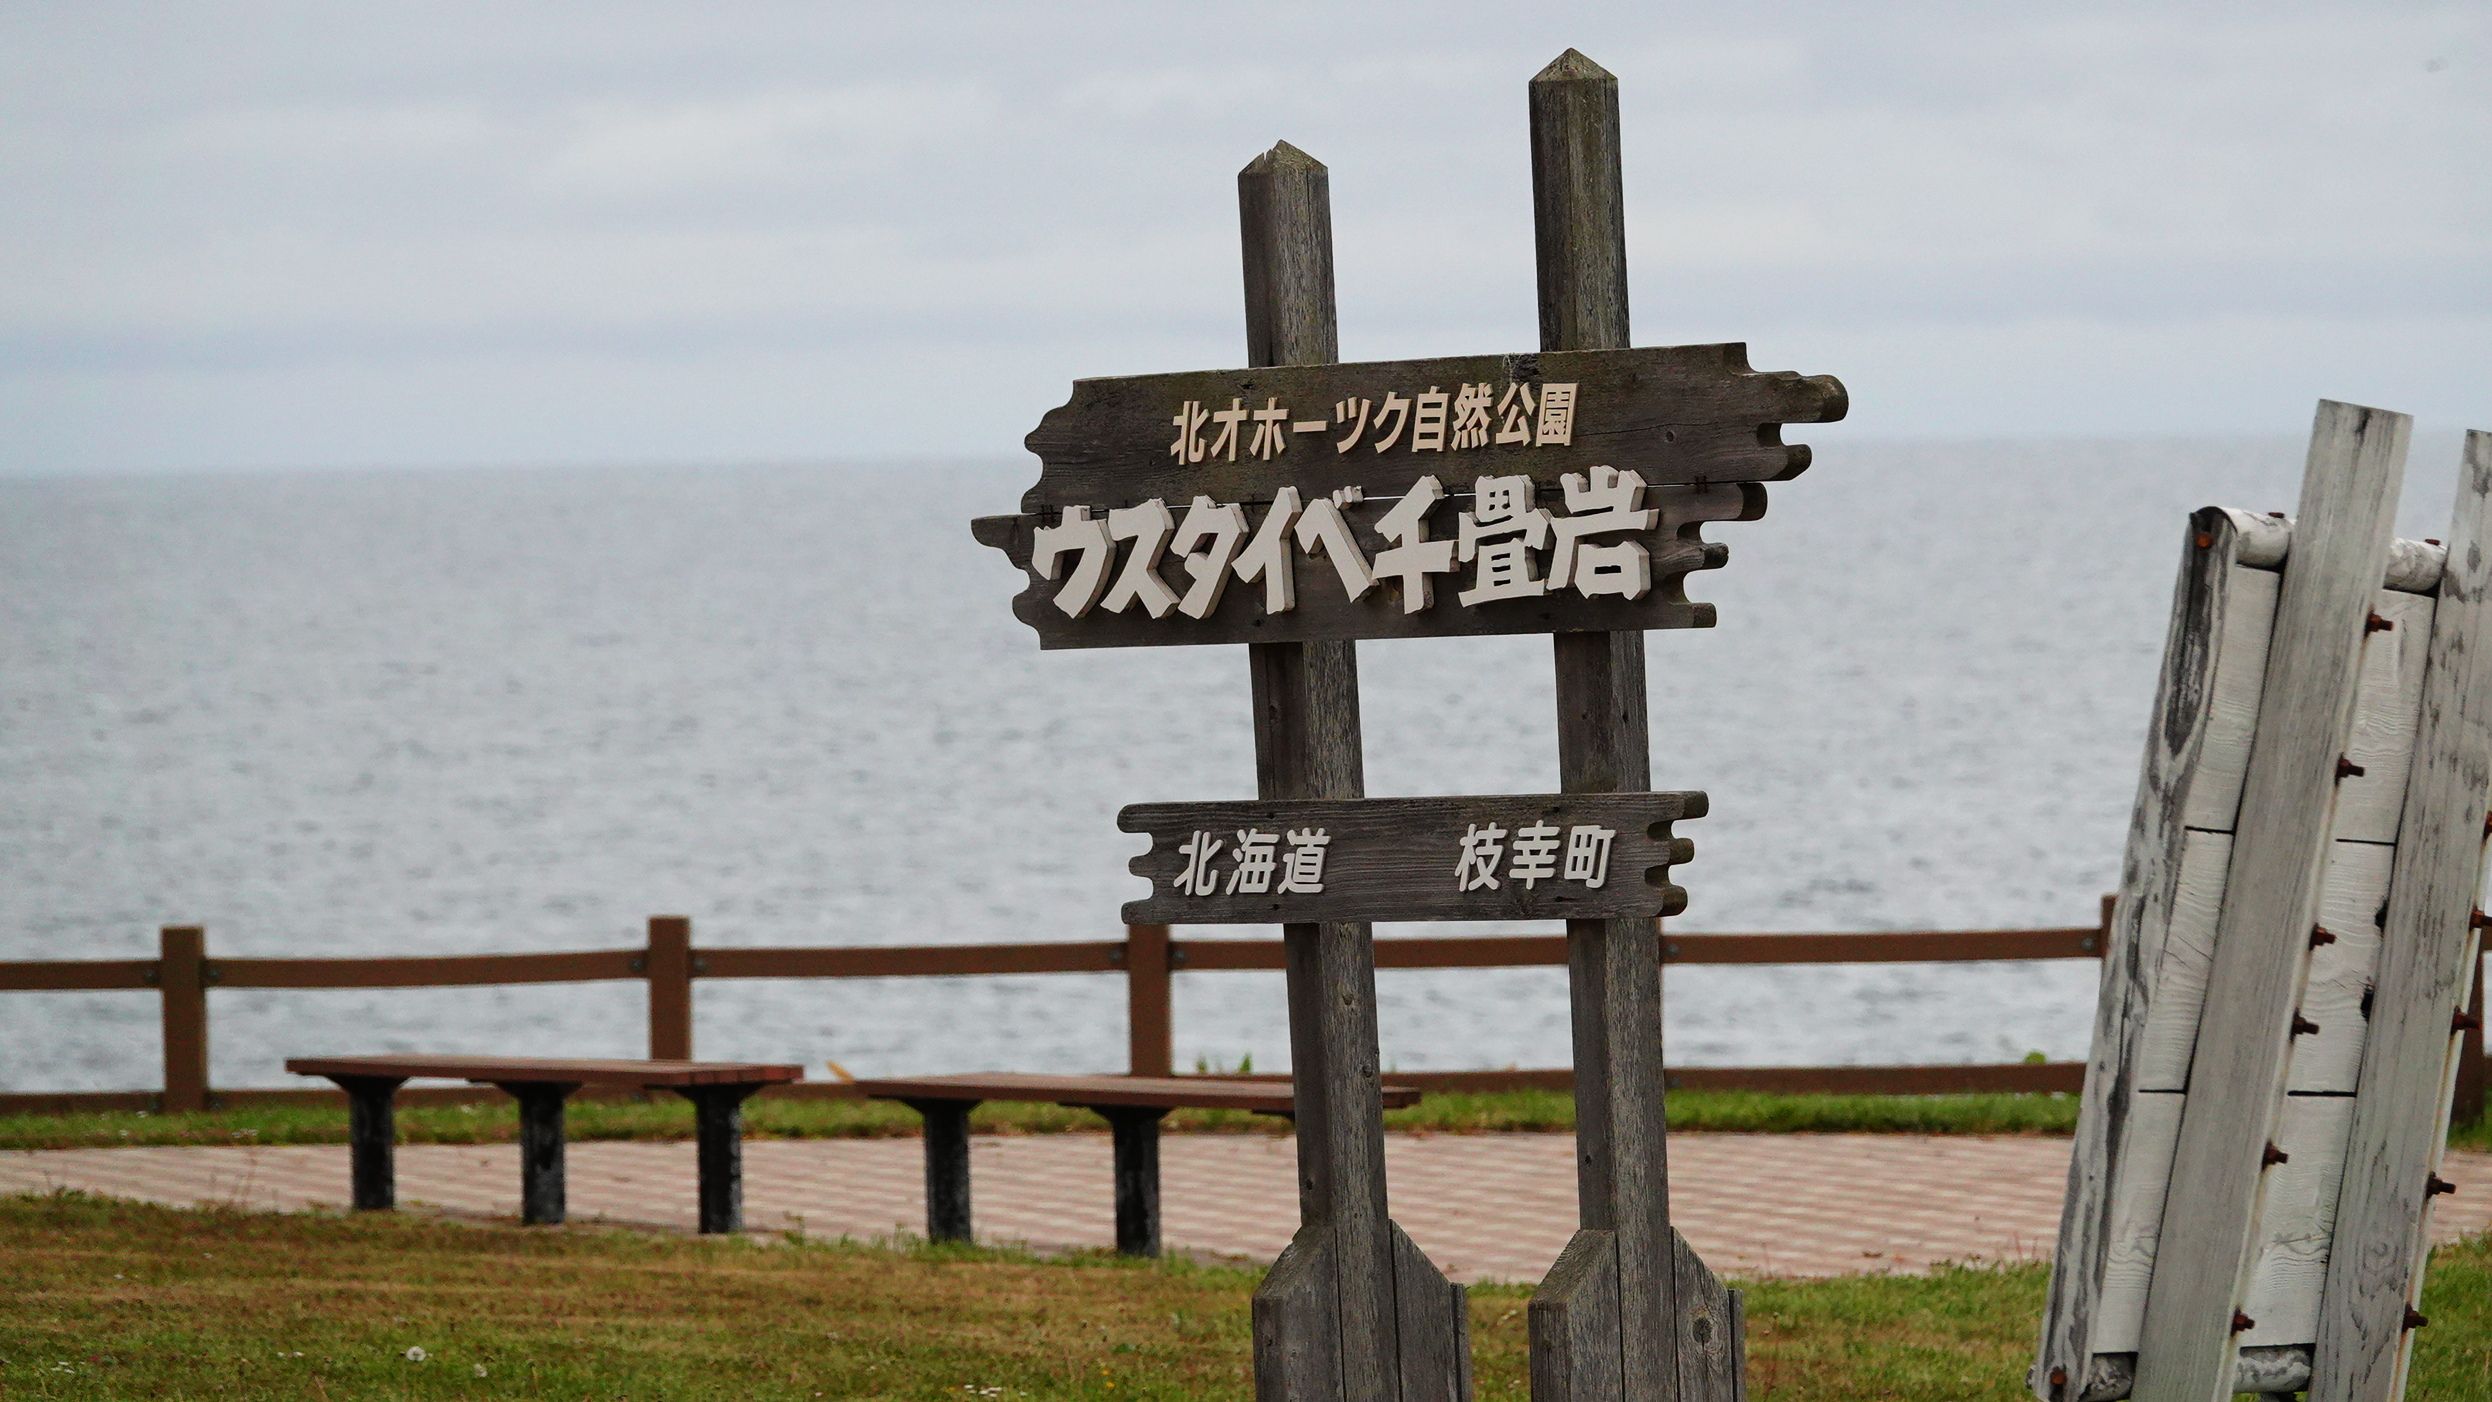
[(112, 1299), (771, 1117), (774, 1117)]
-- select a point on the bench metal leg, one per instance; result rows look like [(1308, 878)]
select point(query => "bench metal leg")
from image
[(1136, 1132), (540, 1150), (947, 1167), (719, 1112), (372, 1138)]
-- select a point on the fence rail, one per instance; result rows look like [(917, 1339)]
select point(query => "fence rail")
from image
[(1149, 958)]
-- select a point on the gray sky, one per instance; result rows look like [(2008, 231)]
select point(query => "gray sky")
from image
[(347, 234)]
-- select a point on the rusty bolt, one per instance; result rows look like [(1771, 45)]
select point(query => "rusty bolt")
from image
[(2302, 1026), (2373, 623), (2205, 539), (2476, 919), (2436, 1186), (2242, 1323), (2278, 515), (2464, 1021), (2347, 769), (2429, 540), (2059, 1377), (2271, 1156), (2321, 935), (2414, 1318)]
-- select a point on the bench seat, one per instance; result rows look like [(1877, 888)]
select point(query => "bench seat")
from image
[(1133, 1106), (717, 1090)]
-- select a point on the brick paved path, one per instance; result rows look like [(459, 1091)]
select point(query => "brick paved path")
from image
[(1485, 1207)]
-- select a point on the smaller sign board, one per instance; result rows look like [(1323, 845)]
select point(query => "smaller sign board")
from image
[(1495, 857)]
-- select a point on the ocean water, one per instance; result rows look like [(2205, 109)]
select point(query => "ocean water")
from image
[(467, 711)]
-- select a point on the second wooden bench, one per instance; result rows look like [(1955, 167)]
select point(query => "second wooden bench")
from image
[(1133, 1106)]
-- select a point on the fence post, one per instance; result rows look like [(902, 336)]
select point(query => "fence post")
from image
[(1152, 1043), (668, 965), (182, 984), (2468, 1109)]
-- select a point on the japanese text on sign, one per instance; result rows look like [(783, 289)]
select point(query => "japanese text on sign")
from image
[(1429, 421), (1489, 855), (1504, 536)]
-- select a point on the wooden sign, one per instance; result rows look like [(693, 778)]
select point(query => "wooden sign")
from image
[(1559, 491), (1504, 857)]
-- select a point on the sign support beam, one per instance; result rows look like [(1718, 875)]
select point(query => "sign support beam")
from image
[(1328, 1320)]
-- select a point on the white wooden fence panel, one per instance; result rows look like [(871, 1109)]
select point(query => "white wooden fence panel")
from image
[(2385, 717), (2214, 786)]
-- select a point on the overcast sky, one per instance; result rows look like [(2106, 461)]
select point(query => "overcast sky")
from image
[(301, 235)]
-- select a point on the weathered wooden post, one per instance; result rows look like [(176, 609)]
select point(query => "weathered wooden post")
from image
[(1150, 1041), (182, 987), (667, 965), (1576, 480)]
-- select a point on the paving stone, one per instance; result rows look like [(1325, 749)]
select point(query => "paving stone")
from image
[(1485, 1207)]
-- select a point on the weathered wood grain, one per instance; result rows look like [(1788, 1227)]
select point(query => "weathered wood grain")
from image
[(2339, 555), (1605, 746), (2387, 708), (2219, 613), (2350, 897), (1713, 1346), (2297, 1209), (1402, 858), (2222, 756), (1324, 610), (1671, 413), (2375, 1271), (2260, 1371), (1573, 1322), (1307, 746), (2413, 565), (1436, 1327), (1297, 1322)]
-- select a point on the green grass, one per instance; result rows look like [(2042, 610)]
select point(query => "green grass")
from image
[(774, 1118), (768, 1117), (110, 1299)]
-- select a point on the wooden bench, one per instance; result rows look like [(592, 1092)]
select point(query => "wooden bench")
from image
[(717, 1090), (1133, 1106)]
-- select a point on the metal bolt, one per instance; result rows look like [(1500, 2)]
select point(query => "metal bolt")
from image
[(1117, 955), (1178, 959), (2271, 1156), (2414, 1318), (2347, 769), (1669, 951), (2205, 539), (209, 974), (2303, 1026), (2476, 919), (640, 963), (2373, 623), (2321, 935), (152, 977), (2086, 944), (2464, 1021), (2242, 1323), (2435, 1186), (2059, 1376), (700, 964)]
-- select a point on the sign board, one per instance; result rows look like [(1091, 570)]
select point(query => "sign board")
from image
[(1558, 491), (1503, 857)]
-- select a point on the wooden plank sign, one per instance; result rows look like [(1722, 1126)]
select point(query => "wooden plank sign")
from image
[(1505, 857), (1559, 491)]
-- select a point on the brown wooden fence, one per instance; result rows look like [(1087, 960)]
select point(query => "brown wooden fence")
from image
[(1149, 958)]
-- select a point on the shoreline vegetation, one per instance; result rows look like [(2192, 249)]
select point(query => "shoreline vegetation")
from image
[(769, 1117), (111, 1298)]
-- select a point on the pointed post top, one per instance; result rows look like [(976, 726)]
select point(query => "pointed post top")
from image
[(1572, 67), (1282, 157)]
